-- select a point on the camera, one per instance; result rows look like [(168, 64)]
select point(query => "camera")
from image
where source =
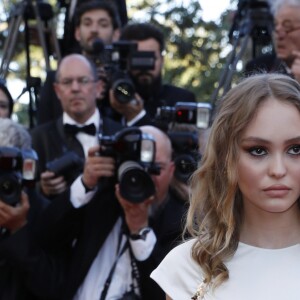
[(253, 17), (186, 112), (134, 152), (68, 165), (186, 153), (118, 60), (17, 169)]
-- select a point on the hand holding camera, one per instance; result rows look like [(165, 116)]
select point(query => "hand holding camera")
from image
[(51, 184), (127, 109), (136, 214), (97, 167), (14, 217)]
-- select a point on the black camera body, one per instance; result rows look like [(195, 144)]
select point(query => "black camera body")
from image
[(186, 153), (118, 60), (198, 114), (68, 165), (253, 17), (134, 152), (185, 143), (17, 169)]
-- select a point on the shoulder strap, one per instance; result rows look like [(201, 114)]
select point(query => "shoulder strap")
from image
[(112, 270)]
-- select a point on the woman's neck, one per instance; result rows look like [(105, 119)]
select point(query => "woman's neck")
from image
[(271, 230)]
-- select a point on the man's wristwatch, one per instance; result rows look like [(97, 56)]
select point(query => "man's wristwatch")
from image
[(141, 235), (86, 188)]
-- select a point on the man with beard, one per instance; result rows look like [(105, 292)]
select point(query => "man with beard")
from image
[(94, 20), (151, 92)]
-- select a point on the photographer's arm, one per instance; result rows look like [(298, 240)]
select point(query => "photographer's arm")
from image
[(41, 272), (136, 218), (132, 111), (136, 214), (97, 167)]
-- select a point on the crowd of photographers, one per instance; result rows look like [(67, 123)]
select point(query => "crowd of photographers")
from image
[(95, 195)]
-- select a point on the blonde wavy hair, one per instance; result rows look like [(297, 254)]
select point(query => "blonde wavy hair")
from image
[(216, 210)]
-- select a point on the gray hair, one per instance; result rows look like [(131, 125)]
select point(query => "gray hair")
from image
[(13, 134), (275, 5)]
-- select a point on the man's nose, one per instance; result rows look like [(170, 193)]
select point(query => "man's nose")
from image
[(75, 84), (94, 27), (280, 31)]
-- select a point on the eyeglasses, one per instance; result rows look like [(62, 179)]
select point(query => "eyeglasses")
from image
[(288, 30), (287, 27), (81, 81)]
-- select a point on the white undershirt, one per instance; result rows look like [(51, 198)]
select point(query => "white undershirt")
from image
[(93, 283)]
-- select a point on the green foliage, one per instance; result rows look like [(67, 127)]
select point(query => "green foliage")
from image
[(193, 57), (195, 52)]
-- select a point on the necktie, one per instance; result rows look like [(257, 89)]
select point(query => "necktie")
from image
[(74, 129)]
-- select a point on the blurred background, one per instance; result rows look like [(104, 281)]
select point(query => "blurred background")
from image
[(197, 36)]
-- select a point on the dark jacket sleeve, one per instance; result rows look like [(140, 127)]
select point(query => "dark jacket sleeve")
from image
[(42, 271), (168, 228), (36, 272)]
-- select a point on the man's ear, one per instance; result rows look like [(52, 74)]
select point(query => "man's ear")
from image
[(172, 168), (77, 34), (56, 90), (116, 35)]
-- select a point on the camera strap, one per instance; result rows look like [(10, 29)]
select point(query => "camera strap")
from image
[(112, 270), (135, 272)]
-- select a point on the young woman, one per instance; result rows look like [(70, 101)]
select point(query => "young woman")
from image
[(244, 214)]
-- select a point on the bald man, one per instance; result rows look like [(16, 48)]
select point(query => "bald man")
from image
[(77, 87), (162, 214), (118, 243)]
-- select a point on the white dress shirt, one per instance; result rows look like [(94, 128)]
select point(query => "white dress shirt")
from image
[(87, 141), (95, 279)]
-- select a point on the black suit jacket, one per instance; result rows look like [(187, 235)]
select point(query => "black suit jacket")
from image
[(90, 225), (62, 226), (19, 263), (265, 63), (80, 232), (168, 226), (167, 95), (50, 141)]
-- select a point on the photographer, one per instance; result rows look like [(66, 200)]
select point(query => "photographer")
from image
[(186, 144), (113, 235), (286, 56), (20, 208), (93, 20), (151, 91), (77, 88)]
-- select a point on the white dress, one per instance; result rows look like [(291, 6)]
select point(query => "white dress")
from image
[(254, 274)]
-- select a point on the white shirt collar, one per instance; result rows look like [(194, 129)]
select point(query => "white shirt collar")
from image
[(94, 119)]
